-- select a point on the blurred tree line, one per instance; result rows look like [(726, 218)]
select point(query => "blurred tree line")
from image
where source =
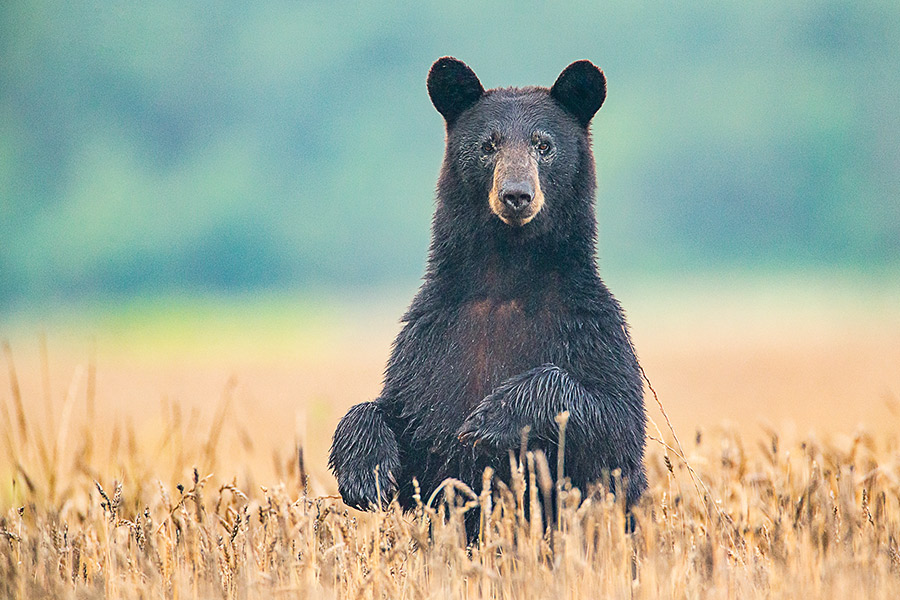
[(173, 147)]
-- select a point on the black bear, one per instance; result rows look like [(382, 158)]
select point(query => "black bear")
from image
[(512, 324)]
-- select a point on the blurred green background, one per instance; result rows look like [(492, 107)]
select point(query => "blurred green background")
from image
[(172, 148)]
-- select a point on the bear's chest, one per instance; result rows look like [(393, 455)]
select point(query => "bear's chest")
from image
[(496, 339)]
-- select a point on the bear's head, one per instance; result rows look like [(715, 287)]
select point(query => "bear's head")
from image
[(518, 159)]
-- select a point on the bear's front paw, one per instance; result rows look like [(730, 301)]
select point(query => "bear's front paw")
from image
[(492, 423), (359, 489), (362, 443)]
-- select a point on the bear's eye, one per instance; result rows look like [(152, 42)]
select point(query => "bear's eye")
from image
[(543, 147), (488, 147)]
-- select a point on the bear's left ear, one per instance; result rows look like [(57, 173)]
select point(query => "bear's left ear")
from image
[(453, 87), (581, 89)]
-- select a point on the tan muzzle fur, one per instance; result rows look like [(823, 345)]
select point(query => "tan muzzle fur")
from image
[(516, 166)]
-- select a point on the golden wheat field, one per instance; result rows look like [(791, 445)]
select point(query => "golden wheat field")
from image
[(182, 455)]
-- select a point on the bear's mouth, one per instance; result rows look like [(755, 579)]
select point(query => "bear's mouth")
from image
[(516, 220)]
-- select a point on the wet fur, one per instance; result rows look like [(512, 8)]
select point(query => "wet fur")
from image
[(511, 326)]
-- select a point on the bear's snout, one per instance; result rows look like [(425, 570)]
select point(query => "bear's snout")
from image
[(516, 196)]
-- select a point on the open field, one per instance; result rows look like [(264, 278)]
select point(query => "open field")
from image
[(786, 407)]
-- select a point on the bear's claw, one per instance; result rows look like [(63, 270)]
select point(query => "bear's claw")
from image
[(491, 423)]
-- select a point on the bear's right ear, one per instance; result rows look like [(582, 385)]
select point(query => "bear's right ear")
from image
[(453, 87)]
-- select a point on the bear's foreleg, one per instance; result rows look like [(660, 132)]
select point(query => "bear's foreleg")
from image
[(601, 434), (534, 399), (362, 442)]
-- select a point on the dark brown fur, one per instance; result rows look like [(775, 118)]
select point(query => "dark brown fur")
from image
[(512, 324)]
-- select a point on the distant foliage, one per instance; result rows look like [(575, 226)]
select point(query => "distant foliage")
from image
[(165, 147)]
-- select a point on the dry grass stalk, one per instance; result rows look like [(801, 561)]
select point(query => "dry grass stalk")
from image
[(793, 518)]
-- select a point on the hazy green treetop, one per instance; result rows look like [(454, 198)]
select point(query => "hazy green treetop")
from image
[(170, 146)]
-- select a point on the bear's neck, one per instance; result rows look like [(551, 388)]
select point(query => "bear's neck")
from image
[(509, 265)]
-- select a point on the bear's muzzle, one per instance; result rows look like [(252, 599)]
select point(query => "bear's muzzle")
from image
[(516, 196)]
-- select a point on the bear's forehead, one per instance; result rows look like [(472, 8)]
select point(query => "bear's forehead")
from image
[(515, 109)]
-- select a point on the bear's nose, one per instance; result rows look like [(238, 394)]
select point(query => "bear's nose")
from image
[(517, 196)]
